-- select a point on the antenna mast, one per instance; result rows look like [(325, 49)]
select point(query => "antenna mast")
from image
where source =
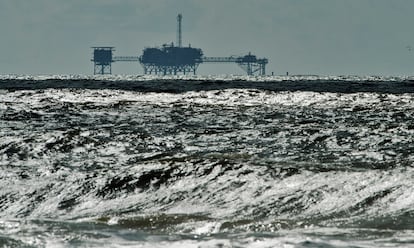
[(179, 20)]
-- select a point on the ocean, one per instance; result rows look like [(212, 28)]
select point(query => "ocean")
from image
[(230, 161)]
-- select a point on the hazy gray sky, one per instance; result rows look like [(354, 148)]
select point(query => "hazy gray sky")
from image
[(326, 37)]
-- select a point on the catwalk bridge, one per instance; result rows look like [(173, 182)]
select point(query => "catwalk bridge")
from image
[(173, 60)]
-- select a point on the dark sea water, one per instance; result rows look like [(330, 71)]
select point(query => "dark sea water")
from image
[(206, 162)]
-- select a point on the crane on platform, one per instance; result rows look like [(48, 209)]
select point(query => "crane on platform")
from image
[(179, 31)]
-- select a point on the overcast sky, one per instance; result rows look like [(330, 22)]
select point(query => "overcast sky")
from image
[(324, 37)]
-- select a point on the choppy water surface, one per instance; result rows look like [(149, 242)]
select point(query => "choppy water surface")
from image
[(225, 167)]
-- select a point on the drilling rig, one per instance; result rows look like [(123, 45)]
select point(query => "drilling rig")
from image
[(170, 59)]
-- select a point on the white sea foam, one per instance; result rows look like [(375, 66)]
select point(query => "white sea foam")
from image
[(353, 78), (233, 163)]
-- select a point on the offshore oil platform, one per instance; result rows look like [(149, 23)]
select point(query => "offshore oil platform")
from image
[(172, 60)]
